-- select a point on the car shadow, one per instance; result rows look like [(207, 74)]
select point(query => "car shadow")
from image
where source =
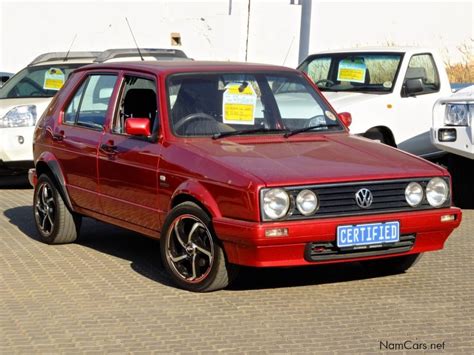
[(143, 253), (16, 182), (144, 256), (268, 278)]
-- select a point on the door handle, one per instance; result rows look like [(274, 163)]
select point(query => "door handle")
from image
[(58, 136), (109, 148)]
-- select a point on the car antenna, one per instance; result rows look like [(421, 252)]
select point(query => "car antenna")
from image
[(69, 50), (136, 44)]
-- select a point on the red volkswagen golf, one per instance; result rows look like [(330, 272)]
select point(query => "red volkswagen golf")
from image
[(230, 164)]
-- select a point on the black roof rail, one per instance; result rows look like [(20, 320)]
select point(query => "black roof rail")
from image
[(54, 56), (157, 53)]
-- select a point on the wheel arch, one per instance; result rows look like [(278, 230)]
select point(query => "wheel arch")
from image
[(48, 164), (194, 191), (386, 132)]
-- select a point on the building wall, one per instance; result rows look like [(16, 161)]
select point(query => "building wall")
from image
[(209, 31)]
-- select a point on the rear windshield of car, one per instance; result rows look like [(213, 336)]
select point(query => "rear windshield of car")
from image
[(263, 103), (37, 81)]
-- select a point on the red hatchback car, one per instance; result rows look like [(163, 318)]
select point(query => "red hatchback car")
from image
[(230, 164)]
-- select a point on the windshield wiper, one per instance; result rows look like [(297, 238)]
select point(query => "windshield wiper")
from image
[(247, 131), (305, 129)]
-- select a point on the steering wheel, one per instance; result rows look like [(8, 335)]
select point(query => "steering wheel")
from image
[(193, 117), (325, 82)]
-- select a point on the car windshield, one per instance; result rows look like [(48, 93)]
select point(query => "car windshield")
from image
[(358, 71), (37, 81), (229, 104)]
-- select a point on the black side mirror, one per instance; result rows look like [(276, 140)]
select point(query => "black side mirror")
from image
[(413, 86), (3, 79)]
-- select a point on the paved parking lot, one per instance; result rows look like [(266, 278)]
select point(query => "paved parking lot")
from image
[(110, 293)]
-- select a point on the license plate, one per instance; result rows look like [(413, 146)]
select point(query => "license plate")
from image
[(368, 235)]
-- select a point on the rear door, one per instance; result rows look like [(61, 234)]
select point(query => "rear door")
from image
[(128, 164), (79, 133)]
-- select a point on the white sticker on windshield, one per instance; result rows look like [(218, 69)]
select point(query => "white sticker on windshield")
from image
[(53, 79), (352, 70), (238, 104), (330, 115), (387, 84)]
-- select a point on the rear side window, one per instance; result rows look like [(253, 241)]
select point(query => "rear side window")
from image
[(90, 103), (73, 108)]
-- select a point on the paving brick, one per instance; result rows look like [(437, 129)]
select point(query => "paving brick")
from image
[(108, 293)]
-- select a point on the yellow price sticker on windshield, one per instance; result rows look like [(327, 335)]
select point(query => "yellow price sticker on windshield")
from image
[(238, 104), (53, 79), (239, 113), (352, 71)]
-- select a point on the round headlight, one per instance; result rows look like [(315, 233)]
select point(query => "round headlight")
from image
[(276, 203), (306, 202), (414, 194), (437, 192)]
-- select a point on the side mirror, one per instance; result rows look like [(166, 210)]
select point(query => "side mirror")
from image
[(4, 79), (413, 86), (138, 127), (346, 118)]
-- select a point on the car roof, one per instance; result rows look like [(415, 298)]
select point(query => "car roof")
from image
[(64, 57), (394, 49), (168, 67)]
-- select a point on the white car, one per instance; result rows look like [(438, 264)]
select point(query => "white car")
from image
[(390, 91), (4, 76), (24, 97), (453, 117)]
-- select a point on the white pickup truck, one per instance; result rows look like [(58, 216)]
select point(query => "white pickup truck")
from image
[(390, 92), (453, 122)]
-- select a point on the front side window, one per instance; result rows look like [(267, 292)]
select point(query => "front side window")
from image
[(137, 100), (37, 81), (90, 103), (358, 71), (245, 103), (422, 66)]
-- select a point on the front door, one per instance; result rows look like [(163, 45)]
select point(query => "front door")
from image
[(128, 164), (416, 111)]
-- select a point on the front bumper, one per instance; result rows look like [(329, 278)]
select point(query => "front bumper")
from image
[(245, 242), (463, 145)]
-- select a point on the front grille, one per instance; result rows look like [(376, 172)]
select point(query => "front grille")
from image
[(320, 251), (339, 199)]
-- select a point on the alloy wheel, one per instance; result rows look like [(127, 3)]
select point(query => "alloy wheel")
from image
[(190, 248), (45, 209)]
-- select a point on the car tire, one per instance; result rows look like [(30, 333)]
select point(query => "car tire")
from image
[(391, 266), (191, 251), (53, 220)]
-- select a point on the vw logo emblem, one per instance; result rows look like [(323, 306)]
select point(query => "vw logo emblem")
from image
[(364, 198)]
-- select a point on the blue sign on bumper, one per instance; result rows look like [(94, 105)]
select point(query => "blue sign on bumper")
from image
[(368, 234)]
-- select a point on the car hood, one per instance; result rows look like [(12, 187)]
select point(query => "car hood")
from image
[(308, 160), (343, 101), (40, 102)]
